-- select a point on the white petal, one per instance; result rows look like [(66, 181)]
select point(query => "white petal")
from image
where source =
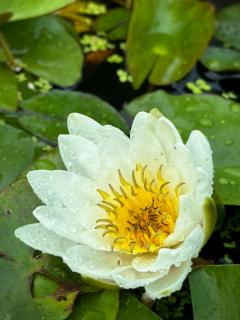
[(167, 134), (203, 187), (112, 143), (180, 158), (95, 240), (40, 238), (169, 283), (83, 126), (62, 188), (113, 148), (62, 221), (201, 152), (79, 155), (145, 147), (168, 257), (95, 264), (131, 279), (188, 217)]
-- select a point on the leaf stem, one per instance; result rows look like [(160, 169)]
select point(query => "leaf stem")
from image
[(7, 52), (129, 4)]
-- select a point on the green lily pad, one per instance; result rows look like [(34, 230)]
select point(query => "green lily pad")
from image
[(166, 44), (22, 9), (46, 49), (97, 306), (49, 159), (17, 152), (221, 59), (215, 292), (131, 308), (46, 114), (228, 26), (8, 89), (217, 118), (38, 286), (114, 23)]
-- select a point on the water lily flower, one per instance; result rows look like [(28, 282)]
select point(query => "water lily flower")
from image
[(127, 211)]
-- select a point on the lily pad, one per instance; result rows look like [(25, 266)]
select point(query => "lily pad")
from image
[(17, 152), (46, 114), (49, 159), (34, 284), (97, 306), (221, 59), (215, 292), (46, 49), (22, 9), (166, 47), (131, 308), (8, 89), (217, 118), (114, 23), (228, 26)]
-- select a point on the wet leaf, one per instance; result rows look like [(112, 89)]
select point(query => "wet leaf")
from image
[(49, 159), (17, 151), (46, 49), (26, 277), (114, 23), (8, 89), (228, 26), (168, 41), (97, 306), (217, 118), (131, 308), (46, 114), (215, 292), (27, 8), (221, 59)]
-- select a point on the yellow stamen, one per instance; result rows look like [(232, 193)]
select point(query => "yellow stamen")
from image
[(141, 215)]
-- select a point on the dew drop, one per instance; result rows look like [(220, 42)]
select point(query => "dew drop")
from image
[(74, 229), (228, 142), (206, 122), (223, 181), (234, 107)]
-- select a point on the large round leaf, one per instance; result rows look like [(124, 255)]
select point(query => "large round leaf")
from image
[(46, 114), (22, 9), (114, 23), (17, 150), (97, 306), (221, 59), (228, 26), (217, 118), (33, 286), (46, 49), (165, 39), (8, 89), (215, 292), (131, 308)]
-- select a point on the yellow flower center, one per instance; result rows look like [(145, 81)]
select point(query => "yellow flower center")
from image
[(141, 214)]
